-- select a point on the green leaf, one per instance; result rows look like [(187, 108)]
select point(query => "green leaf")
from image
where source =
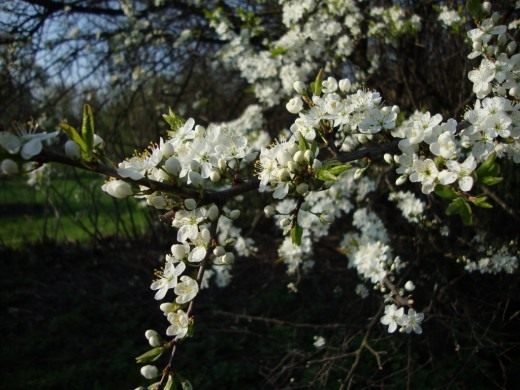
[(73, 135), (316, 85), (296, 235), (170, 385), (302, 143), (491, 180), (445, 192), (150, 356), (488, 168), (278, 51), (87, 132), (331, 170), (475, 9), (481, 201), (462, 208), (173, 120)]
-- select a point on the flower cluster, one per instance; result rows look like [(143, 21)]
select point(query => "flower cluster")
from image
[(407, 322), (411, 207)]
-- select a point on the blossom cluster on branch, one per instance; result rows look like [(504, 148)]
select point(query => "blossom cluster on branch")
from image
[(322, 169)]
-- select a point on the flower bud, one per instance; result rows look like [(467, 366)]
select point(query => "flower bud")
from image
[(291, 167), (157, 201), (409, 286), (502, 39), (150, 333), (514, 92), (213, 212), (149, 371), (295, 105), (511, 47), (486, 6), (214, 176), (299, 157), (269, 211), (308, 155), (190, 204), (388, 158), (72, 150), (9, 167), (172, 166), (178, 251), (228, 258), (299, 87), (285, 222), (344, 85), (234, 214), (195, 178), (477, 45), (222, 164), (168, 307), (400, 180), (117, 188), (358, 173), (302, 188), (219, 251), (154, 341), (396, 109)]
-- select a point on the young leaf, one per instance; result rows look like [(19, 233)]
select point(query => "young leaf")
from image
[(481, 201), (487, 168), (150, 356), (491, 180), (462, 208), (87, 132), (316, 85), (73, 134), (296, 235)]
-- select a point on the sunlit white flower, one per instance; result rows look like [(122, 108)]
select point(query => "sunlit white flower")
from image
[(186, 290)]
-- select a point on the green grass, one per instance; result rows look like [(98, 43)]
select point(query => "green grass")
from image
[(72, 208)]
